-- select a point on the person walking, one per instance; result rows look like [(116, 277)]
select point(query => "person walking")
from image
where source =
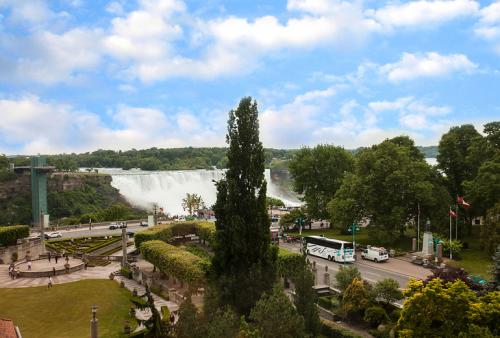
[(54, 271), (29, 266), (49, 285), (49, 254), (57, 257)]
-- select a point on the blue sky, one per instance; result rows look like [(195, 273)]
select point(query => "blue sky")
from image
[(77, 76)]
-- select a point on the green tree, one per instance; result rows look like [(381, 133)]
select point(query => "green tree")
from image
[(275, 316), (289, 220), (436, 309), (305, 299), (274, 202), (490, 229), (192, 202), (388, 291), (454, 149), (391, 180), (483, 191), (495, 269), (223, 324), (189, 324), (243, 257), (345, 276), (357, 297), (317, 173)]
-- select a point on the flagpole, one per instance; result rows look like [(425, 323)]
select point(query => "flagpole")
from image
[(451, 254), (456, 222), (418, 228)]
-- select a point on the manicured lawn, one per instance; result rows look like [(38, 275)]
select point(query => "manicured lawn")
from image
[(65, 310)]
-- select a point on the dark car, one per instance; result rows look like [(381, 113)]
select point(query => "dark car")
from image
[(130, 234)]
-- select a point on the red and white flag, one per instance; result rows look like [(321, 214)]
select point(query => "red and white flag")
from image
[(452, 213), (460, 201)]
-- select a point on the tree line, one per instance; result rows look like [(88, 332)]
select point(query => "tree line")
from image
[(388, 184)]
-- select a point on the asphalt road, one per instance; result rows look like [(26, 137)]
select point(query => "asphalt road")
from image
[(396, 269), (101, 230)]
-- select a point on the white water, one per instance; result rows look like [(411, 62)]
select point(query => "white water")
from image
[(168, 188)]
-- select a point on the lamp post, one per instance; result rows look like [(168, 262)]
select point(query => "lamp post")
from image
[(352, 229), (300, 222), (93, 323)]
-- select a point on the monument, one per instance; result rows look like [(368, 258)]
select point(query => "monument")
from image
[(39, 171), (428, 241)]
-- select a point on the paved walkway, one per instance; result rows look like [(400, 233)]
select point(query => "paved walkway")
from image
[(99, 272), (45, 265)]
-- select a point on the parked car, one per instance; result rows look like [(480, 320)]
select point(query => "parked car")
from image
[(375, 254), (56, 234), (143, 224), (130, 234), (113, 226)]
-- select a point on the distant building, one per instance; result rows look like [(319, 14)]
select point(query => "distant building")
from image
[(8, 329)]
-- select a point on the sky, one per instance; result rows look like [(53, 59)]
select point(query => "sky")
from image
[(78, 76)]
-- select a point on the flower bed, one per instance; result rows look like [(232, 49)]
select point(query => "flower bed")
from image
[(80, 245)]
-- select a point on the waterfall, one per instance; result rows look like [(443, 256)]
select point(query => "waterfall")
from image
[(168, 188)]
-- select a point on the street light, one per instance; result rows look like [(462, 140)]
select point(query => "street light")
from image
[(300, 222), (353, 228)]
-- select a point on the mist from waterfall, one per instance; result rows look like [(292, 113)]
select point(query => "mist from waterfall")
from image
[(168, 188)]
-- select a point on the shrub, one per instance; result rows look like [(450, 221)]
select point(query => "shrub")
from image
[(203, 229), (126, 272), (388, 291), (289, 263), (345, 276), (175, 262), (376, 315), (10, 234), (325, 302)]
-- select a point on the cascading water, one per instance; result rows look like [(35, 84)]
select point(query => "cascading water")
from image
[(168, 188)]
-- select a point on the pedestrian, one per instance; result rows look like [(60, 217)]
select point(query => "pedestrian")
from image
[(29, 266), (57, 257), (11, 273), (172, 318), (49, 254), (54, 271), (49, 285)]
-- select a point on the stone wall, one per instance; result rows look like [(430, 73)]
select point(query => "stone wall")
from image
[(31, 247)]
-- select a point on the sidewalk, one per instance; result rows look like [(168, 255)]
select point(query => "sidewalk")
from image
[(99, 272)]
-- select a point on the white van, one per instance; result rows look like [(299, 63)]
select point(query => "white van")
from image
[(375, 254)]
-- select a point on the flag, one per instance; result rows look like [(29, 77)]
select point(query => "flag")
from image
[(460, 201), (452, 214)]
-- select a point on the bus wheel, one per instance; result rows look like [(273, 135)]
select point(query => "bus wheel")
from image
[(375, 260), (329, 258), (307, 252)]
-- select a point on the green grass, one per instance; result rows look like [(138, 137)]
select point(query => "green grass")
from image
[(65, 310), (473, 260)]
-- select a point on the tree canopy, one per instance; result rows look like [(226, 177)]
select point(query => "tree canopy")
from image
[(318, 173), (243, 262)]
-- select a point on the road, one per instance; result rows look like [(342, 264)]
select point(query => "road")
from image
[(397, 269), (101, 230)]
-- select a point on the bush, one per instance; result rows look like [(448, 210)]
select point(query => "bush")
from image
[(126, 272), (325, 302), (388, 291), (376, 315), (203, 229), (10, 234), (395, 314), (345, 276), (175, 262), (289, 263)]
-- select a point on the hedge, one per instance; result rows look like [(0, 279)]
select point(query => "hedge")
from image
[(10, 234), (164, 232), (176, 262), (289, 263)]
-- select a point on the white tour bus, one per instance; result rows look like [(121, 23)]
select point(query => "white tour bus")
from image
[(331, 249)]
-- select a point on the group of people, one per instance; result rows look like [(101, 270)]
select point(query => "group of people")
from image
[(13, 271)]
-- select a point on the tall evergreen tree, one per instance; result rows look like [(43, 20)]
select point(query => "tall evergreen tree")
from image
[(244, 262)]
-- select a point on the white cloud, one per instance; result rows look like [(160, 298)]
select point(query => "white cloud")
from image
[(412, 66), (50, 127), (50, 58), (488, 26), (413, 114), (423, 13)]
